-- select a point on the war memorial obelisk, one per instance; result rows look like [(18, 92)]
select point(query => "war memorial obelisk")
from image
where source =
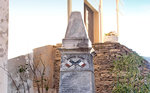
[(76, 71)]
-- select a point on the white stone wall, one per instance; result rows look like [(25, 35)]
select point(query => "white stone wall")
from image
[(3, 43), (13, 66)]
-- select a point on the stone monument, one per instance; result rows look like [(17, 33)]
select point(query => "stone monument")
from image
[(76, 71)]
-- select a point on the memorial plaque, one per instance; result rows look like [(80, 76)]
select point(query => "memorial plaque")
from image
[(76, 82)]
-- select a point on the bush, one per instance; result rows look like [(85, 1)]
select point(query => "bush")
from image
[(129, 78)]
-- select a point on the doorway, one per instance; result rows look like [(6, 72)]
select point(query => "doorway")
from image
[(89, 21)]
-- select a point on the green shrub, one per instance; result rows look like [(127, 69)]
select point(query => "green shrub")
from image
[(128, 76)]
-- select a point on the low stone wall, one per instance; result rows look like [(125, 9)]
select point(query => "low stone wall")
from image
[(103, 63)]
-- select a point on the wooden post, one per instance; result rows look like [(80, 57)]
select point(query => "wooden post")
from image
[(117, 11), (69, 8), (101, 20)]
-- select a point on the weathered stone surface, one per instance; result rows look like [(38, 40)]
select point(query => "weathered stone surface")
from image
[(76, 28), (76, 71), (76, 82), (76, 36), (13, 68), (3, 43)]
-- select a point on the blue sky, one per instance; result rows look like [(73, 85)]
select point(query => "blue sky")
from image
[(128, 7), (35, 23), (33, 7), (137, 7)]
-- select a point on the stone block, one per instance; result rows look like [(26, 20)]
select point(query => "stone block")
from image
[(76, 82)]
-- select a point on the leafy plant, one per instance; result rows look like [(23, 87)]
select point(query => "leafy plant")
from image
[(112, 33), (129, 78)]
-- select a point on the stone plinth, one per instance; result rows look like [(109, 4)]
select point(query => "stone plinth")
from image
[(76, 71)]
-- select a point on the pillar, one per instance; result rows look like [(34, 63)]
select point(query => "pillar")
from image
[(96, 27), (69, 8), (101, 21), (3, 43), (117, 11)]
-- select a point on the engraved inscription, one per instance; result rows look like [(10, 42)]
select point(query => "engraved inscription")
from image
[(75, 82)]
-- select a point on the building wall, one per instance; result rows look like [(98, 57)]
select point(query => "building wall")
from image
[(46, 55), (13, 66), (41, 56), (3, 43)]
